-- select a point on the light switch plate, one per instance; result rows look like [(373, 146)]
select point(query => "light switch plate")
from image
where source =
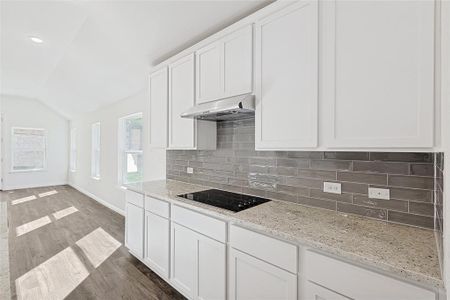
[(190, 170), (332, 187), (377, 193)]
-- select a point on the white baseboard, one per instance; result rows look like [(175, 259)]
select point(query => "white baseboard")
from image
[(99, 200), (30, 186)]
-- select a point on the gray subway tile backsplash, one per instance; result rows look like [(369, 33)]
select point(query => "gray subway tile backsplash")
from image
[(402, 156), (438, 204), (416, 182), (422, 169), (381, 167), (328, 204), (411, 219), (392, 204), (346, 155), (377, 213), (298, 176), (362, 177)]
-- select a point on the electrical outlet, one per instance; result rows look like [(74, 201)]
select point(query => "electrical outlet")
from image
[(332, 187), (377, 193), (190, 170)]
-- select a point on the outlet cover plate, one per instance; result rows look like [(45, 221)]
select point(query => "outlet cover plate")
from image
[(332, 187), (378, 193), (190, 170)]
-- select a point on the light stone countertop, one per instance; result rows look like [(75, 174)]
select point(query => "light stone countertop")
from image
[(403, 251)]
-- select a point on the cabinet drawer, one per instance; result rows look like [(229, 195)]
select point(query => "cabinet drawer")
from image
[(135, 198), (208, 226), (158, 207), (271, 250), (353, 281)]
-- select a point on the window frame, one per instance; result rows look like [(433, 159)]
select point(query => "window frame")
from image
[(73, 150), (122, 152), (44, 165), (94, 127)]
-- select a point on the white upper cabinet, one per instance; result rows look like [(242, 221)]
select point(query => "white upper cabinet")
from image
[(158, 108), (224, 67), (181, 98), (238, 62), (377, 73), (209, 72), (286, 78), (186, 133)]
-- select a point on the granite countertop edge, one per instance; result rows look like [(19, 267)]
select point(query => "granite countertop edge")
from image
[(375, 264)]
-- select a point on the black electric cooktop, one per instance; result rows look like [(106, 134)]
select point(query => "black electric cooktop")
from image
[(231, 201)]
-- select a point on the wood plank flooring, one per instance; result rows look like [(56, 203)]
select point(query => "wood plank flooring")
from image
[(79, 254)]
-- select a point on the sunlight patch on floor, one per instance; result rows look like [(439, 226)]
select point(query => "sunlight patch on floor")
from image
[(53, 279), (49, 193), (64, 212), (30, 226), (98, 246), (24, 199), (58, 276)]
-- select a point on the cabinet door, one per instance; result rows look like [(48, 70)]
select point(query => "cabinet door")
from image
[(211, 269), (181, 98), (316, 292), (286, 78), (209, 72), (377, 73), (254, 279), (184, 260), (134, 229), (238, 62), (158, 108), (157, 231)]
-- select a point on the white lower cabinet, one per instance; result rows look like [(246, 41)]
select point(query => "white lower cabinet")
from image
[(157, 239), (183, 259), (254, 279), (356, 282), (198, 264), (134, 229), (211, 269), (189, 250), (313, 291)]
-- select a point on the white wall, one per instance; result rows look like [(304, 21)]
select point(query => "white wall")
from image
[(22, 112), (107, 189)]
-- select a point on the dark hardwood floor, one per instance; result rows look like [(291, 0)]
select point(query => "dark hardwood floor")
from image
[(33, 252)]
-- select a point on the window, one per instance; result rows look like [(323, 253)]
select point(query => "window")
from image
[(73, 149), (130, 149), (95, 151), (28, 149)]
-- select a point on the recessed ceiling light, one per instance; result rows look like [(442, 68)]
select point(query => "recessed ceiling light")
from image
[(36, 39)]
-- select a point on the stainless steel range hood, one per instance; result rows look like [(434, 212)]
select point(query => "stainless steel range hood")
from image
[(238, 107)]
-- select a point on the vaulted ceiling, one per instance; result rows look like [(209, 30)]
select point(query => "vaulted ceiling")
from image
[(98, 52)]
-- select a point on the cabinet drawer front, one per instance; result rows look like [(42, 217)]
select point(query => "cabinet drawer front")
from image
[(158, 207), (135, 198), (358, 283), (208, 226), (274, 251)]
